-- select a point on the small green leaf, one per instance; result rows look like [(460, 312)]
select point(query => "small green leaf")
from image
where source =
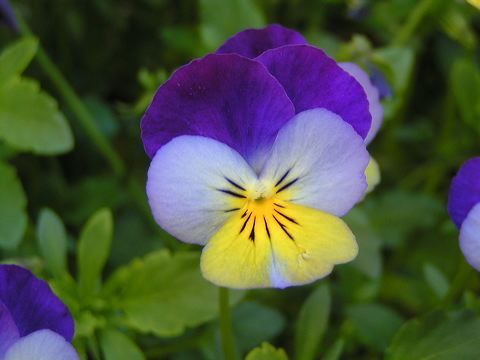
[(254, 323), (438, 336), (163, 293), (312, 323), (13, 216), (30, 119), (52, 240), (117, 346), (266, 352), (436, 280), (335, 351), (375, 324), (465, 80), (15, 58), (93, 250), (235, 15)]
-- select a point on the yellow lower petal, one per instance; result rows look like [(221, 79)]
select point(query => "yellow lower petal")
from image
[(277, 244), (372, 173), (475, 3)]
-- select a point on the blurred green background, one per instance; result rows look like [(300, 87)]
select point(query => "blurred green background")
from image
[(73, 208)]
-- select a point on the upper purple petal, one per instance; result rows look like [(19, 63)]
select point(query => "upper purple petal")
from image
[(8, 330), (7, 16), (31, 303), (229, 98), (312, 79), (464, 191), (253, 42)]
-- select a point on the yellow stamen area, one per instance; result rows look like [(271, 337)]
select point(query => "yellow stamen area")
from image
[(271, 242)]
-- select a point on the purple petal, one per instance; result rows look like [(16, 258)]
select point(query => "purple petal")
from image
[(7, 15), (42, 345), (229, 98), (8, 330), (373, 97), (464, 191), (470, 237), (380, 82), (253, 42), (32, 304), (313, 80)]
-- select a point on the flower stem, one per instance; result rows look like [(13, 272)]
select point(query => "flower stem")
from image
[(76, 105), (226, 333), (459, 283)]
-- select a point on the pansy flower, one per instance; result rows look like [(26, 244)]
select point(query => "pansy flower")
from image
[(34, 323), (464, 209), (256, 154), (253, 43), (7, 16)]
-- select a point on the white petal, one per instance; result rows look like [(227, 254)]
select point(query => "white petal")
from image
[(373, 97), (318, 160), (470, 237), (42, 345), (190, 186)]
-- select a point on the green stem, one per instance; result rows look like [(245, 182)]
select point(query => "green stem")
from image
[(226, 333), (414, 20), (459, 283), (76, 105)]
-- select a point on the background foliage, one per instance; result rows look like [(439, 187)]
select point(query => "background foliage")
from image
[(72, 174)]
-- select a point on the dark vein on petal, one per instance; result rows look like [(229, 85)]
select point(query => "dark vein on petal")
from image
[(287, 185), (252, 233), (283, 177), (230, 210), (266, 228), (283, 227), (280, 206), (234, 184), (286, 217), (245, 223), (232, 193)]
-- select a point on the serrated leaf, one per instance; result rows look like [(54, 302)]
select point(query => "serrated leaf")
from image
[(13, 216), (163, 293), (267, 352), (52, 241), (117, 346), (236, 15), (93, 251), (438, 336), (16, 57), (312, 323), (31, 121)]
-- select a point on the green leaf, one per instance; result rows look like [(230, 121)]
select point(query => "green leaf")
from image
[(369, 259), (13, 216), (52, 240), (15, 58), (117, 346), (163, 293), (93, 251), (465, 80), (30, 119), (375, 324), (438, 336), (266, 352), (312, 323), (335, 351), (436, 280), (254, 323), (235, 15)]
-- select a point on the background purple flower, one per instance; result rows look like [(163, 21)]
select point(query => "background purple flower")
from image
[(27, 306), (7, 15)]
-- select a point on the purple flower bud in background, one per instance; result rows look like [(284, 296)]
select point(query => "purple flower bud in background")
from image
[(34, 323), (464, 209), (7, 15), (378, 80)]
